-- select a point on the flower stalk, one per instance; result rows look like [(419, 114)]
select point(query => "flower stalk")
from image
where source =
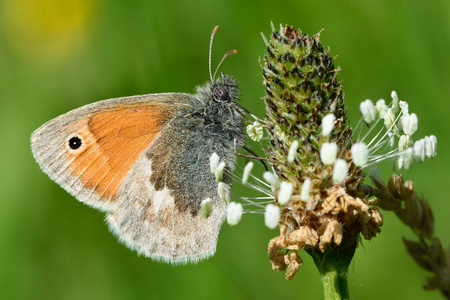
[(333, 271)]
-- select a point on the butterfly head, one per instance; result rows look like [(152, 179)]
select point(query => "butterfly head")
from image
[(225, 90)]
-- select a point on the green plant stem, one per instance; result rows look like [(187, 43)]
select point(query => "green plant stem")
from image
[(333, 269)]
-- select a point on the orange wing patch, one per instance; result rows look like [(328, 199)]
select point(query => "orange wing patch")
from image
[(113, 140)]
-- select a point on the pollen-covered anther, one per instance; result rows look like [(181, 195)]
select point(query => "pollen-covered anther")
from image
[(248, 168), (425, 147), (431, 146), (409, 123), (389, 119), (234, 213), (285, 192), (382, 108), (305, 194), (419, 150), (360, 154), (395, 101), (368, 111), (328, 153), (405, 159), (292, 151), (271, 178), (328, 124), (271, 216), (340, 170), (404, 106), (404, 142)]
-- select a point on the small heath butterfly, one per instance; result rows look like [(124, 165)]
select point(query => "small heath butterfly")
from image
[(145, 161)]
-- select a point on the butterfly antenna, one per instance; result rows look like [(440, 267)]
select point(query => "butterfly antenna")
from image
[(231, 52), (210, 50)]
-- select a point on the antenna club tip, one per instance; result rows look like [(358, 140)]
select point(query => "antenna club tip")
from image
[(215, 29), (231, 52)]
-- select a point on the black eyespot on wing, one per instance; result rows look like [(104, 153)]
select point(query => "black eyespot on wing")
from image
[(75, 143)]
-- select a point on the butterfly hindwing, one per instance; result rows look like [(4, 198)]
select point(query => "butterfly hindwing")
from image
[(159, 213)]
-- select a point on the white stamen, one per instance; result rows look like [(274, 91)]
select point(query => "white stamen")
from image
[(248, 168), (404, 160), (419, 150), (206, 207), (409, 123), (431, 146), (404, 142), (292, 152), (219, 171), (214, 162), (394, 107), (255, 131), (398, 163), (234, 213), (305, 194), (340, 170), (328, 153), (328, 124), (285, 192), (368, 111), (382, 108), (389, 118), (271, 178), (404, 107), (360, 154), (271, 216), (221, 192), (397, 135), (408, 156)]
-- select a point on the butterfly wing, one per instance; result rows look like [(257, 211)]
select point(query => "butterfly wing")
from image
[(139, 162), (165, 223), (164, 191)]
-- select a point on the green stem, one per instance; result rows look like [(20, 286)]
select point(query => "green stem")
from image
[(333, 268)]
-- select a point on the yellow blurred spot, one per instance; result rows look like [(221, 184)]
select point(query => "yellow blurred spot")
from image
[(47, 29)]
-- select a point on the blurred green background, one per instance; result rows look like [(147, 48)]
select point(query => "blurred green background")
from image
[(58, 55)]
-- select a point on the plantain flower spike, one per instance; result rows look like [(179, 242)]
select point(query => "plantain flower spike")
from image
[(302, 88)]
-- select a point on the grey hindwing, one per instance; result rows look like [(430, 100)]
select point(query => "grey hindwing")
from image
[(159, 212)]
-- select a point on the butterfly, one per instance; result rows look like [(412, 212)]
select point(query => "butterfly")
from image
[(145, 161)]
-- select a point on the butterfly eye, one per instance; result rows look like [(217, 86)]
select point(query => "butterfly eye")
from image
[(221, 93), (75, 143)]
